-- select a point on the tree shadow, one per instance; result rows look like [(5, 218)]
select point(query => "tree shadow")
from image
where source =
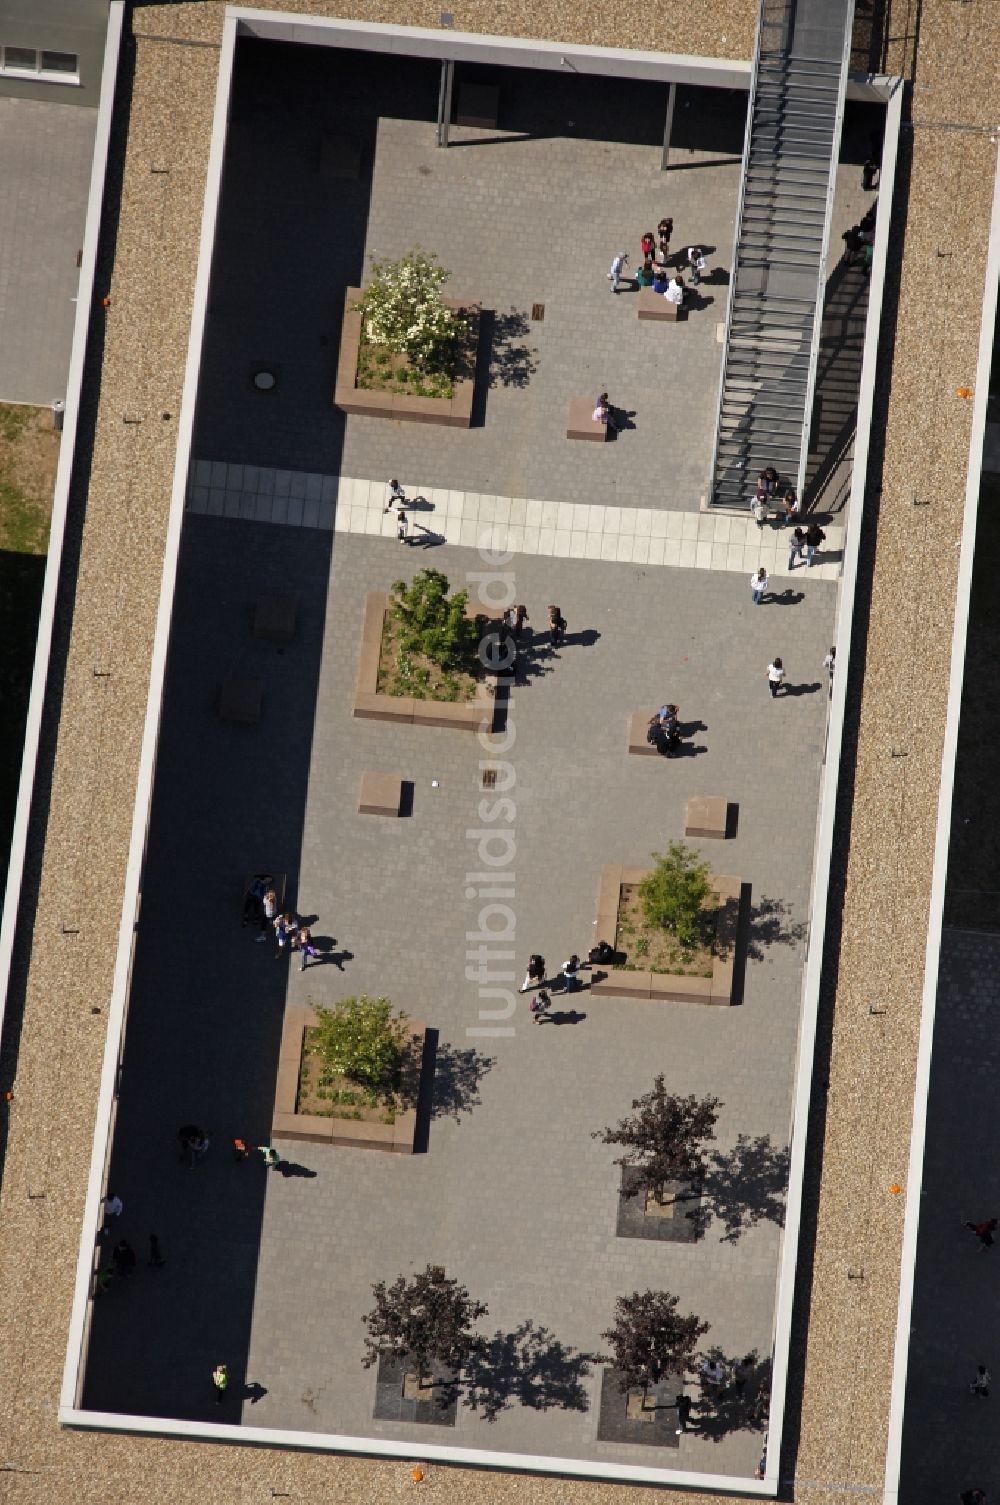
[(769, 925), (746, 1185), (526, 1367), (740, 1405), (457, 1073), (512, 362)]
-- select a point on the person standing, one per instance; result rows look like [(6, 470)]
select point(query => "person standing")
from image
[(648, 245), (402, 527), (570, 970), (683, 1413), (617, 271), (830, 665), (302, 941), (220, 1380), (697, 263), (604, 413), (397, 496), (796, 544), (758, 585), (269, 912), (981, 1384), (675, 291), (814, 537), (758, 507), (123, 1259), (557, 626), (775, 677), (664, 231), (540, 1005)]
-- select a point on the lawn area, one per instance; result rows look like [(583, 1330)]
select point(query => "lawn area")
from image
[(29, 451)]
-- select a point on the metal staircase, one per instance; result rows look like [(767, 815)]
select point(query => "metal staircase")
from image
[(775, 308)]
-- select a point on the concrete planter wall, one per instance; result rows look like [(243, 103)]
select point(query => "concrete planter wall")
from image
[(454, 412), (667, 986), (286, 1123), (372, 704)]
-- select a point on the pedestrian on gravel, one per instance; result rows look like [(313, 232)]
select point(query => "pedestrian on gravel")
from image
[(220, 1379), (981, 1384), (796, 544), (758, 585), (775, 676), (617, 271), (814, 537), (984, 1232)]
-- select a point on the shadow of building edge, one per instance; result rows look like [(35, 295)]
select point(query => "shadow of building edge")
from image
[(813, 1166), (68, 566)]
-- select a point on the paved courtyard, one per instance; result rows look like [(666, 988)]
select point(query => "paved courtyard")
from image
[(46, 156), (530, 214), (511, 1193)]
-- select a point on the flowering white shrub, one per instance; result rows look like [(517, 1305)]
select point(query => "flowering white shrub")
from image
[(402, 309)]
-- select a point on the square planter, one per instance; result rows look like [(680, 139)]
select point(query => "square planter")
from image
[(372, 704), (621, 982), (628, 1416), (315, 1128), (453, 412), (678, 1220), (397, 1399)]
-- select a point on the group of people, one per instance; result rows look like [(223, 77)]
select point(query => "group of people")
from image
[(515, 619), (652, 273), (859, 241), (567, 980), (663, 731), (787, 508), (260, 907)]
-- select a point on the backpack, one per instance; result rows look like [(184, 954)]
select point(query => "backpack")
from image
[(652, 734)]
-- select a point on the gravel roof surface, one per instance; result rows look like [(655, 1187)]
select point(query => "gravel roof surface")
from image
[(75, 876)]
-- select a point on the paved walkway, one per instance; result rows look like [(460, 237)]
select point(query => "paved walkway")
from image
[(45, 153), (565, 530)]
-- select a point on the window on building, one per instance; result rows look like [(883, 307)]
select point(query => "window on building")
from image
[(33, 62)]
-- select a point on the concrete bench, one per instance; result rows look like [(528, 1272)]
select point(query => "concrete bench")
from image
[(239, 700), (637, 725), (650, 305), (581, 423), (707, 815), (274, 618), (478, 104), (381, 794)]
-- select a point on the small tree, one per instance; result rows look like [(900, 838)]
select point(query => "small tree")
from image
[(402, 310), (664, 1139), (673, 895), (427, 1319), (650, 1341), (359, 1039), (433, 623)]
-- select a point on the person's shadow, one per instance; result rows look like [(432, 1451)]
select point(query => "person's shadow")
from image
[(788, 689), (291, 1168), (624, 420), (254, 1392), (327, 955), (563, 1016), (787, 597)]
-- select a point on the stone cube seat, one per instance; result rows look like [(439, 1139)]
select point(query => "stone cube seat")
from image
[(581, 423), (381, 793), (706, 815)]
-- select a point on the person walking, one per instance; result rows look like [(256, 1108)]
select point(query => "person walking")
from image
[(284, 928), (758, 508), (617, 271), (123, 1259), (981, 1384), (683, 1413), (775, 677), (648, 244), (220, 1380), (796, 544), (535, 975), (402, 527), (984, 1232), (758, 585), (113, 1206), (397, 496), (789, 509), (302, 941), (187, 1134), (570, 970), (271, 1157), (814, 537), (269, 910), (557, 626), (767, 481), (664, 231)]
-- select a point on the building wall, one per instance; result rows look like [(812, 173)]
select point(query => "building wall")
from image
[(68, 26)]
